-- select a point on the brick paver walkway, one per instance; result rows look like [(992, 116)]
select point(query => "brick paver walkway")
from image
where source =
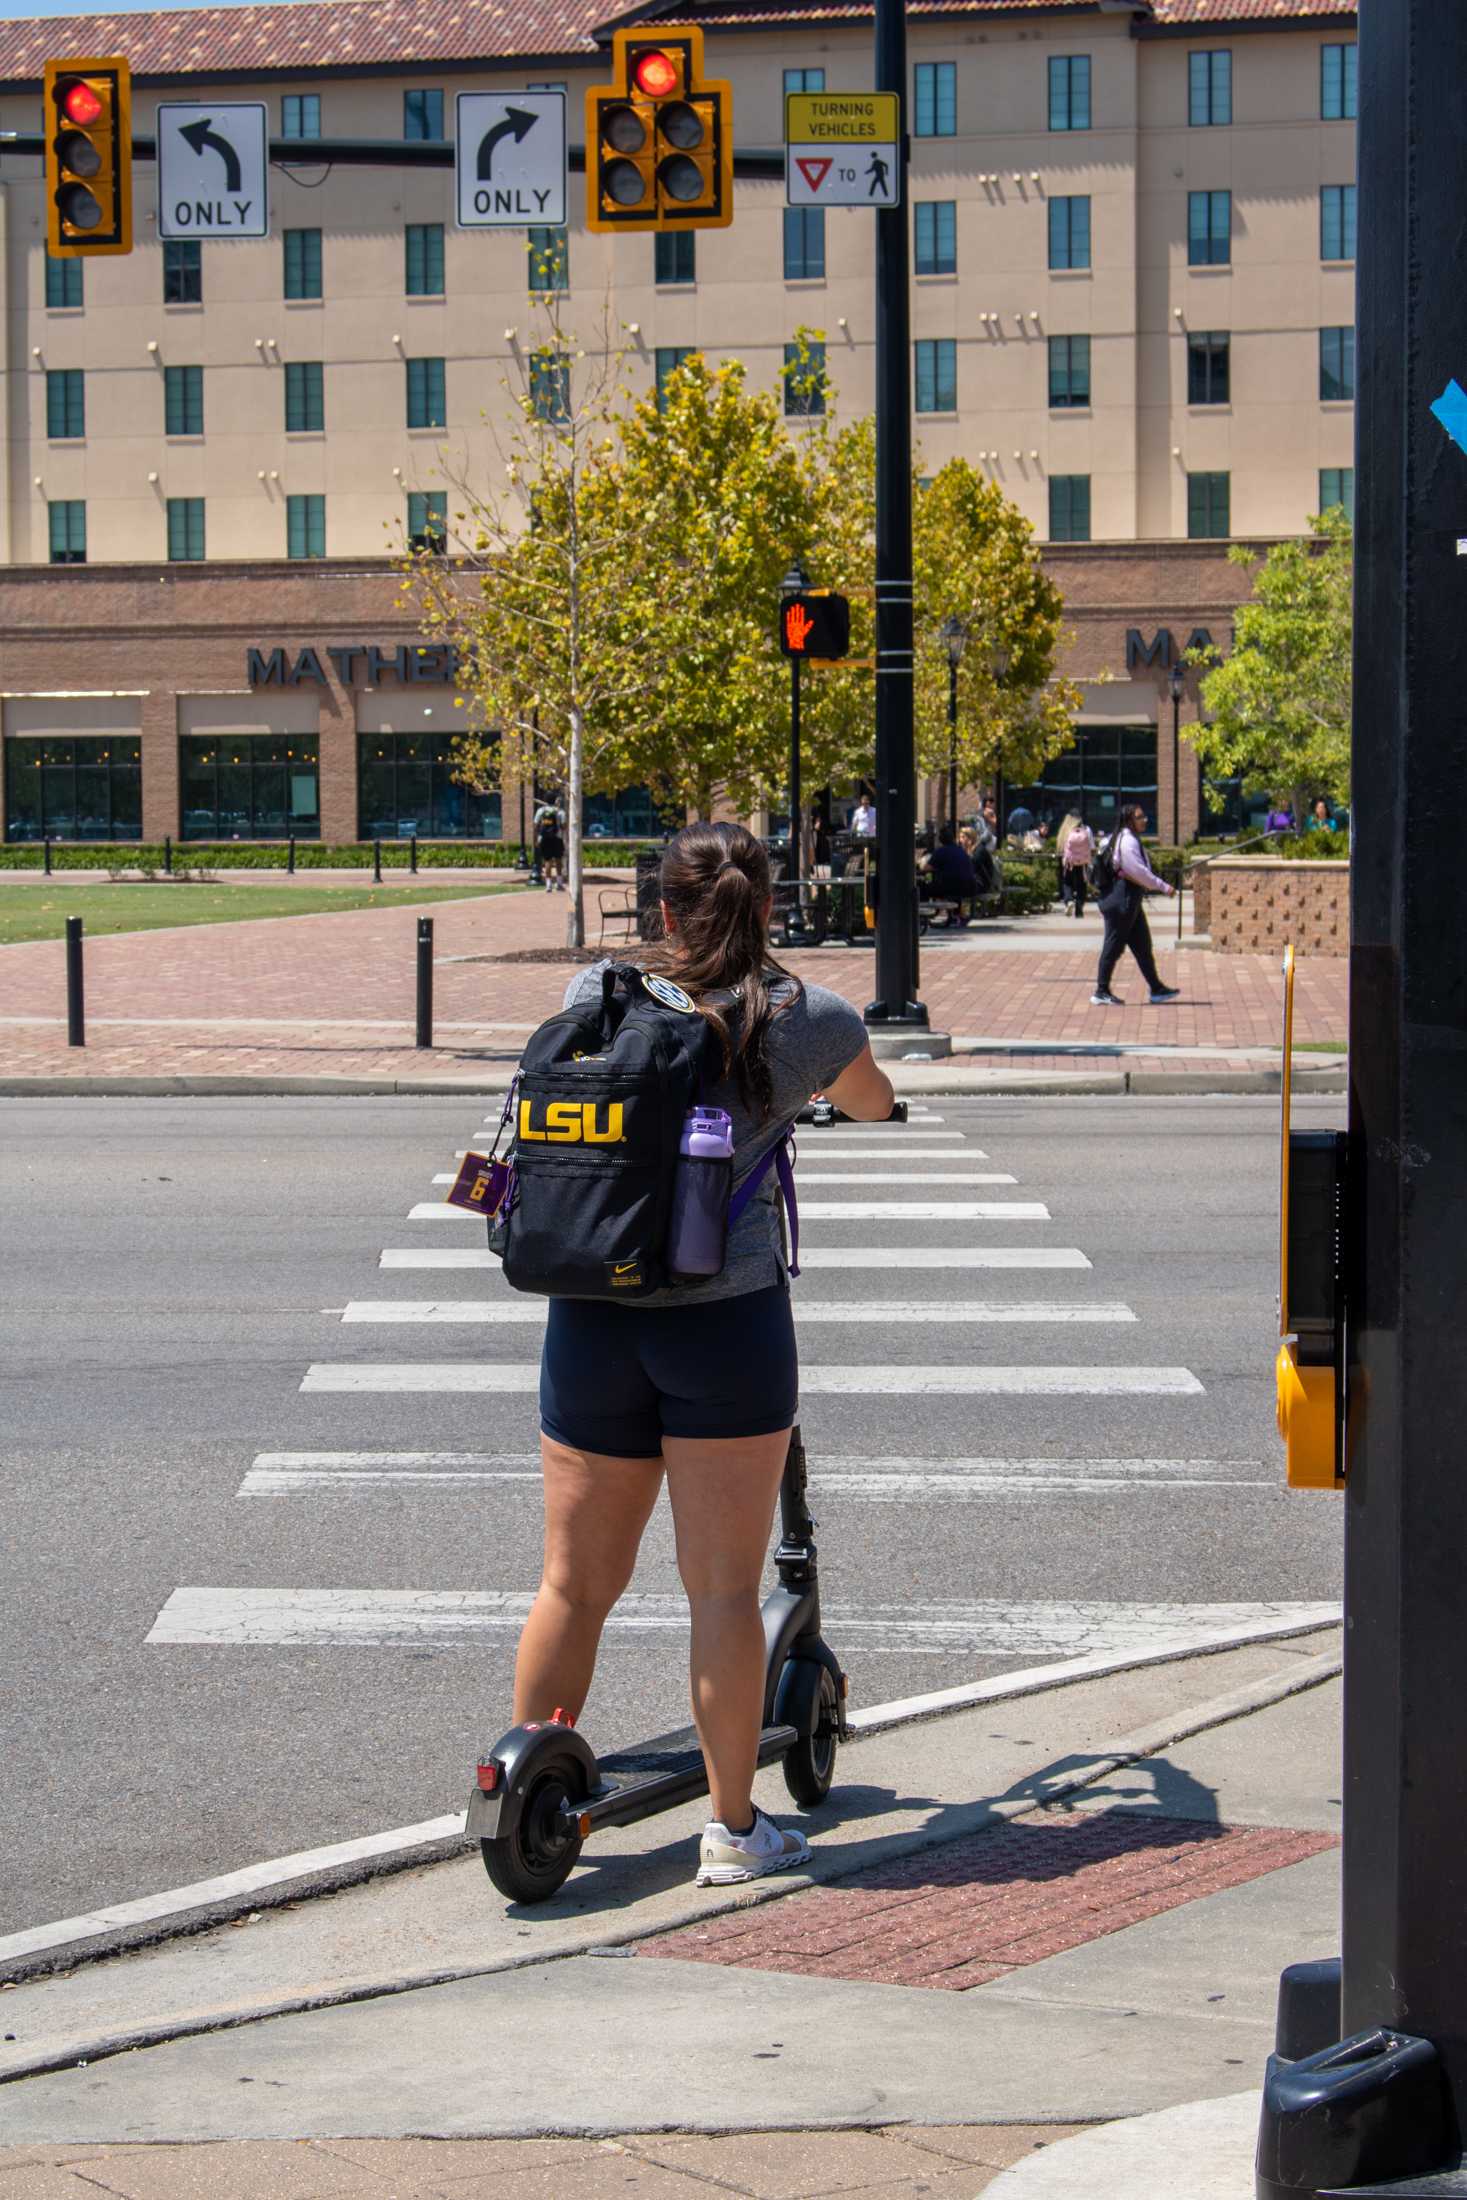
[(333, 995)]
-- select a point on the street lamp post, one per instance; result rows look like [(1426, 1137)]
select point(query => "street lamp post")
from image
[(999, 659), (1178, 688), (954, 635), (795, 582)]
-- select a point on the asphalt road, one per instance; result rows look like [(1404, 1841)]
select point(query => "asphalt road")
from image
[(175, 1269)]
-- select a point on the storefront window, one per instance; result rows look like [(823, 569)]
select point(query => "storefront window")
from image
[(1106, 765), (250, 786), (405, 786), (630, 814), (88, 789)]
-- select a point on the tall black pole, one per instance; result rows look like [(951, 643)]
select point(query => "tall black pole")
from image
[(797, 848), (896, 767), (1405, 1858), (952, 744)]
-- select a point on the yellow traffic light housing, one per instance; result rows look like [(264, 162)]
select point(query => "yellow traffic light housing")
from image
[(1310, 1369), (659, 138), (88, 152)]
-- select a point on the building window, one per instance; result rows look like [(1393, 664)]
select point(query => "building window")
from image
[(550, 391), (1209, 88), (667, 359), (422, 114), (66, 403), (804, 380), (937, 374), (1207, 368), (804, 243), (1069, 91), (427, 519), (1337, 222), (804, 80), (935, 106), (302, 263), (549, 259), (427, 398), (250, 786), (1069, 507), (676, 251), (935, 223), (1107, 766), (405, 785), (1337, 483), (629, 814), (1209, 228), (300, 115), (305, 397), (305, 527), (1336, 364), (1069, 232), (185, 527), (1069, 371), (68, 525), (1207, 506), (63, 283), (423, 277), (183, 400), (183, 271), (88, 789), (1337, 83)]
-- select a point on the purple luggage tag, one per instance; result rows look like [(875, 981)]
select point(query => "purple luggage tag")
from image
[(481, 1184)]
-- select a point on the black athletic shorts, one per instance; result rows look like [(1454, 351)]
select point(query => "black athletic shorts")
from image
[(617, 1379)]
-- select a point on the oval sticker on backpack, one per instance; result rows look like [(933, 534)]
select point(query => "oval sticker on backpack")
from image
[(670, 995)]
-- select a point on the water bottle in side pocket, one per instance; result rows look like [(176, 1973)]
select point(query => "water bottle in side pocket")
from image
[(697, 1230)]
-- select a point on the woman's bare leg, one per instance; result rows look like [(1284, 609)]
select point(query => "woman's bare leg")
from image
[(596, 1507), (723, 1491)]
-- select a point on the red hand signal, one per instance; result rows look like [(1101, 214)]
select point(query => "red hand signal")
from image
[(797, 626)]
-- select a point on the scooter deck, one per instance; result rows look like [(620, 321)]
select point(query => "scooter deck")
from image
[(634, 1783)]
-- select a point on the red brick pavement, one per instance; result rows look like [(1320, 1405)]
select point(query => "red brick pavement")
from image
[(333, 994), (992, 1902)]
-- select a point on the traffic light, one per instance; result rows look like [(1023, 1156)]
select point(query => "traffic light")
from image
[(815, 623), (659, 138), (88, 132)]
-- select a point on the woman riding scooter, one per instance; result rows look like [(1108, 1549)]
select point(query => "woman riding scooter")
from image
[(698, 1383)]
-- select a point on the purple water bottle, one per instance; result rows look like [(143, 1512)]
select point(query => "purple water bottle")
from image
[(697, 1230)]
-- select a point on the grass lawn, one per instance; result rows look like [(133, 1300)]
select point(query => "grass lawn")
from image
[(141, 905)]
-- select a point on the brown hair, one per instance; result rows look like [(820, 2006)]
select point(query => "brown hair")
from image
[(715, 881)]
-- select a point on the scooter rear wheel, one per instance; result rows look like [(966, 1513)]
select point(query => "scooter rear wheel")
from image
[(808, 1702), (534, 1860)]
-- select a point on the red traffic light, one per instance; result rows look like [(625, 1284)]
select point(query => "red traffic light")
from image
[(81, 105), (656, 74)]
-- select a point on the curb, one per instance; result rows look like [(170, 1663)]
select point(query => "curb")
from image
[(907, 1077), (1219, 1710)]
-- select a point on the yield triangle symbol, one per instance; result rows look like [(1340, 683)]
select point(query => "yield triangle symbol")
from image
[(813, 171)]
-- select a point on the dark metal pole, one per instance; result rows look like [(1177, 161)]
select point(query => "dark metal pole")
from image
[(797, 838), (524, 851), (46, 855), (75, 1003), (168, 855), (425, 982), (377, 863), (413, 852), (896, 788), (1177, 793), (290, 854), (952, 744)]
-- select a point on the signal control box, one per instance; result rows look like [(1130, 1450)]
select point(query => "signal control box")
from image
[(1311, 1361)]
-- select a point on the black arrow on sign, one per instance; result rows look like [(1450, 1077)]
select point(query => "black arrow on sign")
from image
[(517, 120), (200, 134)]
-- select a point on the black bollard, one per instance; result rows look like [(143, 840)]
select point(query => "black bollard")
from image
[(425, 981), (168, 855), (46, 856), (290, 854), (75, 1010), (412, 851), (376, 863)]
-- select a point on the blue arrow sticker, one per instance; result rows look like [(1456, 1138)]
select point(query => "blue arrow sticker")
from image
[(1451, 410)]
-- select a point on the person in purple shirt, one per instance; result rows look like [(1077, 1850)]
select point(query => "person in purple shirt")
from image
[(1123, 907)]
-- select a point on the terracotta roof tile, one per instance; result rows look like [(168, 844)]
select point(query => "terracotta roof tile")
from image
[(1167, 14), (1207, 12), (306, 34)]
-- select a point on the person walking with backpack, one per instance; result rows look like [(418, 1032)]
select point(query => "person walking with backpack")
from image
[(694, 1383), (1123, 878), (1076, 845)]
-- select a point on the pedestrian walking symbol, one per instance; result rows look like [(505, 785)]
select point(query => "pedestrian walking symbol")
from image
[(880, 176), (841, 149)]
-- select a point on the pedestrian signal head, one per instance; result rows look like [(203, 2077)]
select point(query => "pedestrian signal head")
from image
[(816, 623), (88, 154), (659, 138)]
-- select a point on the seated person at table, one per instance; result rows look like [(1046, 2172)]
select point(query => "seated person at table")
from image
[(951, 877)]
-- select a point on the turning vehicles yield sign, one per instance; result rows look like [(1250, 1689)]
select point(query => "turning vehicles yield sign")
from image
[(510, 160), (213, 168), (841, 149)]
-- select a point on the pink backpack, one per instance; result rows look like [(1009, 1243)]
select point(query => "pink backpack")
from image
[(1080, 847)]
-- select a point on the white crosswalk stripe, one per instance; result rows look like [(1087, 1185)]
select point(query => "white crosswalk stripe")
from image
[(508, 1378), (898, 1257), (840, 1312), (831, 1210), (867, 1176)]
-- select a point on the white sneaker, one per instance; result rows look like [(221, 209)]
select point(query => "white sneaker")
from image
[(727, 1858)]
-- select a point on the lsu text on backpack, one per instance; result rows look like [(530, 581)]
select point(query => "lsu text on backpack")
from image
[(595, 1115)]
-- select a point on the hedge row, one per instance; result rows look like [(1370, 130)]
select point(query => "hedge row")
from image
[(242, 855)]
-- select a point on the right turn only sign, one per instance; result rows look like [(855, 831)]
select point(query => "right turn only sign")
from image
[(841, 149)]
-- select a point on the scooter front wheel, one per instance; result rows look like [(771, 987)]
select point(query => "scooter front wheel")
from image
[(534, 1859), (807, 1701)]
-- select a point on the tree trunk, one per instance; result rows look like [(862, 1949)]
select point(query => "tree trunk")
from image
[(575, 916)]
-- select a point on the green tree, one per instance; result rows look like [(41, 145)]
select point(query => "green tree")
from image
[(1277, 711)]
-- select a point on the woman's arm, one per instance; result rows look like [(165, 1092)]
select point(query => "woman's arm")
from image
[(863, 1089)]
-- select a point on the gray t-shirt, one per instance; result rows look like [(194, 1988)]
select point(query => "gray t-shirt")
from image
[(810, 1042)]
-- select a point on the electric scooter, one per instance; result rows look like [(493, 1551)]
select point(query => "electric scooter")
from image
[(542, 1791)]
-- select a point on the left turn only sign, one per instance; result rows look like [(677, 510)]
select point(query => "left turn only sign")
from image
[(213, 169), (510, 160)]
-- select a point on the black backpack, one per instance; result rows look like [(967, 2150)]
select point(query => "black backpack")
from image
[(595, 1115), (1103, 866)]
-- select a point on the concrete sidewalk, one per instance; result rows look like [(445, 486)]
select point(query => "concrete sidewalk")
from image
[(1035, 1913)]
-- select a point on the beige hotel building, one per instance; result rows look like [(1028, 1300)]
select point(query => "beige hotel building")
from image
[(1133, 227)]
